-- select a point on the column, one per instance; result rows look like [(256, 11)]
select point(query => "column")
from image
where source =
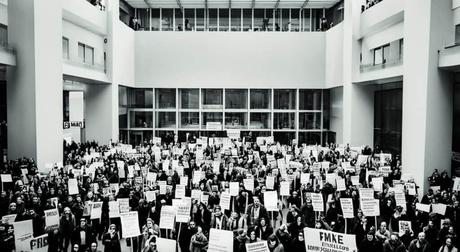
[(427, 91), (35, 100)]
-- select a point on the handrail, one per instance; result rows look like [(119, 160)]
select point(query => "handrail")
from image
[(388, 63)]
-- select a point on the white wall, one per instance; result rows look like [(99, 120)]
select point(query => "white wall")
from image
[(334, 56), (207, 59), (98, 113), (336, 114), (125, 54), (3, 12), (390, 34)]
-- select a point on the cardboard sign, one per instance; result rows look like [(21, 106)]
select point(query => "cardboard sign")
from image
[(9, 219), (257, 247), (39, 244), (411, 189), (225, 200), (340, 184), (370, 207), (249, 184), (180, 192), (439, 208), (51, 219), (423, 207), (129, 224), (150, 196), (183, 210), (355, 180), (96, 210), (400, 199), (220, 240), (305, 178), (6, 178), (366, 193), (167, 216), (347, 208), (317, 201), (318, 239), (73, 186)]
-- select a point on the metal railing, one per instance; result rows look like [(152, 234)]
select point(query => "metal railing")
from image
[(95, 66), (386, 64)]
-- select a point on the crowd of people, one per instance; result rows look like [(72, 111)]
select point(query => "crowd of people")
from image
[(210, 165)]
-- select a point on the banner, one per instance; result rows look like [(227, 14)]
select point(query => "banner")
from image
[(347, 208), (220, 240), (423, 207), (257, 247), (39, 244), (51, 219), (129, 224), (322, 240), (23, 234), (167, 217), (166, 245)]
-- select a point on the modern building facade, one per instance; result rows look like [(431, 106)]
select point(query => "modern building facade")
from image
[(316, 72)]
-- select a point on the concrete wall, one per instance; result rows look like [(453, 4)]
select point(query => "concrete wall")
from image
[(188, 59), (336, 115), (334, 56)]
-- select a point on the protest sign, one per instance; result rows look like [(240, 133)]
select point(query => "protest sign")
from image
[(114, 209), (439, 208), (423, 207), (377, 183), (323, 240), (257, 247), (225, 200), (73, 186), (284, 188), (400, 199), (355, 180), (220, 240), (249, 184), (340, 184), (456, 186), (183, 210), (271, 200), (234, 188), (51, 219), (9, 219), (129, 224), (370, 207), (123, 204), (411, 189), (304, 178), (317, 202), (167, 217), (270, 182), (39, 244), (166, 245), (403, 225), (6, 178), (96, 210), (347, 207), (150, 196), (180, 192), (23, 233)]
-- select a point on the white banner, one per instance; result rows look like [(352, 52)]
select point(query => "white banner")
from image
[(320, 240), (39, 244)]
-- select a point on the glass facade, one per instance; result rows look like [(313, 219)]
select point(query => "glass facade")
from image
[(388, 120), (237, 19), (301, 114)]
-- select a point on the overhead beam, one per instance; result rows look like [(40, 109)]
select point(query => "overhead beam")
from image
[(304, 4)]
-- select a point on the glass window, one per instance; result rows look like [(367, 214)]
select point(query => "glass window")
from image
[(386, 53), (277, 19), (223, 20), (284, 137), (65, 48), (388, 119), (189, 19), (310, 138), (165, 119), (326, 109), (123, 136), (284, 98), (285, 23), (378, 56), (122, 107), (192, 135), (178, 20), (155, 20), (166, 19), (259, 121), (236, 98), (189, 120), (306, 20), (140, 119), (328, 137), (236, 19), (140, 137), (200, 20), (212, 120), (81, 52), (166, 135), (310, 120), (143, 16), (260, 98), (140, 98), (310, 99), (89, 55), (258, 19), (457, 34), (189, 98), (268, 22), (247, 19), (165, 98), (295, 20), (212, 23), (236, 120), (284, 121), (211, 98), (253, 135)]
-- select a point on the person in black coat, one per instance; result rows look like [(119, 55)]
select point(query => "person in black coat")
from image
[(111, 241), (186, 235), (83, 235), (53, 240), (370, 243), (298, 243)]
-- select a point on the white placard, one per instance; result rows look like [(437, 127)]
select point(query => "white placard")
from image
[(96, 210), (180, 192), (317, 202), (225, 200), (234, 188), (439, 208), (271, 200), (129, 224), (167, 217), (166, 245), (114, 209), (340, 184), (320, 238), (270, 182), (73, 186), (220, 240), (423, 207), (123, 204), (347, 208), (257, 247), (284, 188), (51, 219)]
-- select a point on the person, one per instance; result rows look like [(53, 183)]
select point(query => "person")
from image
[(186, 235), (76, 248), (66, 227), (239, 242), (448, 246), (263, 230), (298, 243), (93, 247), (198, 242), (253, 236), (219, 220), (111, 241), (420, 244), (255, 212), (83, 235), (370, 243), (393, 244), (382, 233), (274, 245)]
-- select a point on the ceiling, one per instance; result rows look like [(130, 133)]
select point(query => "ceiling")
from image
[(315, 4)]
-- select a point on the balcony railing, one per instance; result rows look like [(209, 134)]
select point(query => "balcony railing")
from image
[(95, 66), (386, 64)]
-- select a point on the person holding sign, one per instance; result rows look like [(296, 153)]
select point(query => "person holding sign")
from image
[(219, 220), (255, 212), (198, 242)]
